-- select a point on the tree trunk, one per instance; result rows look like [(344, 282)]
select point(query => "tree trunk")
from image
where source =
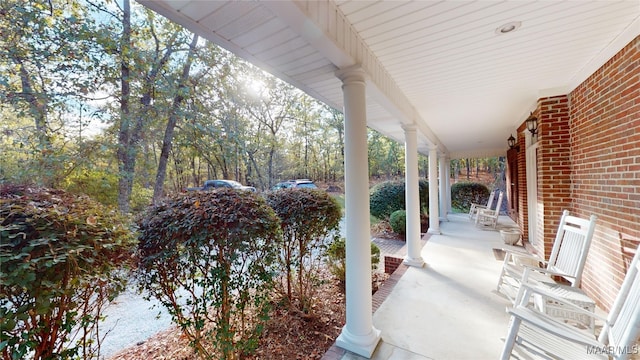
[(468, 163), (255, 165), (125, 181), (171, 123), (130, 132), (38, 107)]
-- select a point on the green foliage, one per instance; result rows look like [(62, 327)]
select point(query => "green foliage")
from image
[(389, 196), (398, 221), (337, 259), (375, 256), (463, 194), (386, 156), (100, 185), (308, 218), (140, 197), (386, 198), (49, 60), (61, 261), (208, 257)]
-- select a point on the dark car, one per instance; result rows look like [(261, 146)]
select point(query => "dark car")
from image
[(299, 183), (212, 184)]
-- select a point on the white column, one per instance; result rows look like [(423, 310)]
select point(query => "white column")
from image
[(434, 217), (412, 197), (443, 188), (358, 335), (448, 186)]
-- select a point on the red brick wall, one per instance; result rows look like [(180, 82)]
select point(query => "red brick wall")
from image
[(605, 169), (589, 162), (523, 211), (391, 263), (554, 168)]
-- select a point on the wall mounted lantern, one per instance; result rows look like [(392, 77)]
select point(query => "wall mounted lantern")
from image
[(512, 143), (532, 124)]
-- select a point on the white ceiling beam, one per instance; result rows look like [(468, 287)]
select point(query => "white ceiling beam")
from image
[(323, 25)]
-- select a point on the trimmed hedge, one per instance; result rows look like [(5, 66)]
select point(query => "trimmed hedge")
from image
[(63, 257), (388, 196), (398, 221), (309, 219), (210, 257), (463, 194)]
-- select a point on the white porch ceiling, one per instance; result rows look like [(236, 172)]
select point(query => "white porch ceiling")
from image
[(439, 64)]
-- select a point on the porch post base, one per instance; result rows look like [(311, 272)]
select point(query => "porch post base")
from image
[(415, 262), (434, 231), (363, 345)]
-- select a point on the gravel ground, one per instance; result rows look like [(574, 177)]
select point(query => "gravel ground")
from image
[(130, 320)]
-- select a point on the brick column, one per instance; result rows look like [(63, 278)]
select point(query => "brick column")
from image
[(554, 166)]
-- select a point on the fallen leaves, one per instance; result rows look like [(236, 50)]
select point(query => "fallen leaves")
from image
[(289, 334)]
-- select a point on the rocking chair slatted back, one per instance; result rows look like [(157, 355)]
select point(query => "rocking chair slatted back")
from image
[(491, 197), (571, 246), (623, 323), (539, 334), (475, 207), (568, 256), (490, 216)]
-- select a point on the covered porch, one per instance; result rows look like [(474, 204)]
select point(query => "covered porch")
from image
[(456, 80), (448, 309)]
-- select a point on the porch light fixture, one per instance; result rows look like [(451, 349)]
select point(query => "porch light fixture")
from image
[(532, 124), (512, 143)]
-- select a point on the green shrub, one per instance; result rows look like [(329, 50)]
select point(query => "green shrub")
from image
[(463, 194), (389, 196), (308, 218), (337, 257), (398, 221), (209, 257), (99, 185), (141, 198), (102, 186), (61, 262), (375, 256)]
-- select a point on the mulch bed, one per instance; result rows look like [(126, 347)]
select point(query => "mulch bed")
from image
[(289, 334)]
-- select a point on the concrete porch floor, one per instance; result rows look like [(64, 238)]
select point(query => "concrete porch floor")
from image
[(449, 309)]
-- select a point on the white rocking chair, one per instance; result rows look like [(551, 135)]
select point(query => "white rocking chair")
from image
[(489, 217), (473, 211), (539, 334), (568, 255)]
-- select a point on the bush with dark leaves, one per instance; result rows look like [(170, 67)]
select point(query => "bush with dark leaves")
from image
[(62, 258), (463, 194), (389, 196)]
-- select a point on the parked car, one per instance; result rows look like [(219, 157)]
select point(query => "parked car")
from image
[(212, 184), (304, 183), (282, 185), (299, 183)]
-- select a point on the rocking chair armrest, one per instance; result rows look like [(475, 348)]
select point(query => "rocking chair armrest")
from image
[(479, 206), (552, 326), (530, 289), (529, 268), (522, 255), (486, 211)]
